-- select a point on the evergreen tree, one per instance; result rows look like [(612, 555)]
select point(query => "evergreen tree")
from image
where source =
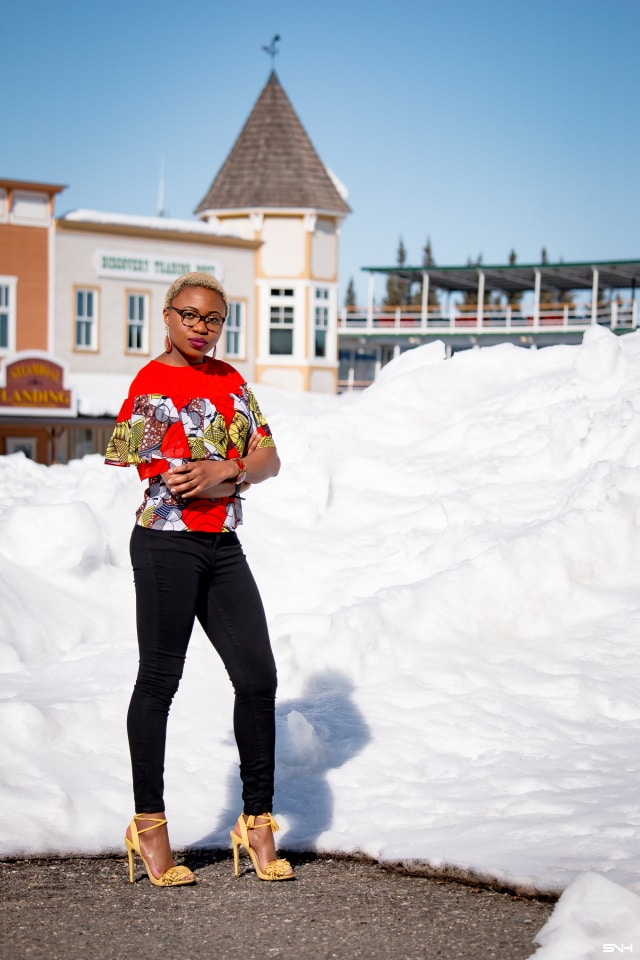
[(547, 295), (397, 287), (514, 297), (565, 296), (552, 296), (470, 297), (427, 261), (350, 295)]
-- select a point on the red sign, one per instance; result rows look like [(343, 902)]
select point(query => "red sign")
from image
[(35, 384)]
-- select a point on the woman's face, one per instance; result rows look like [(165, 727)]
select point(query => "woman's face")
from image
[(193, 342)]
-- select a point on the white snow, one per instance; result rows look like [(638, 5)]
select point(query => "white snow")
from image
[(150, 223), (338, 184), (99, 394), (593, 917), (450, 563)]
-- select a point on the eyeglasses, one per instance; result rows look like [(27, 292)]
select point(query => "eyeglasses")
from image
[(191, 317)]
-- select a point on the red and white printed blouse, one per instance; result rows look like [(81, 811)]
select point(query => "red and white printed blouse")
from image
[(176, 414)]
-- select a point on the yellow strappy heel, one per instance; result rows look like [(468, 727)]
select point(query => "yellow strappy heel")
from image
[(174, 876), (275, 869)]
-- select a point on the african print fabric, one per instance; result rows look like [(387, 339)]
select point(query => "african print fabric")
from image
[(176, 414)]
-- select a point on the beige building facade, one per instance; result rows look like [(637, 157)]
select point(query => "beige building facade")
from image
[(274, 188), (112, 273), (296, 297), (82, 295)]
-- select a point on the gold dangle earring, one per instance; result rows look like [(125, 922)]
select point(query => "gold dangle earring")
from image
[(168, 346)]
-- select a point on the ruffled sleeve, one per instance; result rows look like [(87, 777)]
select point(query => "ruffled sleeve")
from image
[(149, 435), (258, 422), (122, 449)]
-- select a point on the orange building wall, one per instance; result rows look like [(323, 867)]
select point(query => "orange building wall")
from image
[(24, 254)]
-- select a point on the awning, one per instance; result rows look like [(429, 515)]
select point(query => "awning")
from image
[(613, 274)]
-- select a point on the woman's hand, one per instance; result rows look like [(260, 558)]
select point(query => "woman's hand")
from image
[(201, 478), (253, 444), (212, 479)]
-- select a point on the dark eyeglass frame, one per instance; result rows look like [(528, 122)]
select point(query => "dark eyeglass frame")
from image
[(211, 323)]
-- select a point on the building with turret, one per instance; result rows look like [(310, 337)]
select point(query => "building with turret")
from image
[(273, 188), (81, 295)]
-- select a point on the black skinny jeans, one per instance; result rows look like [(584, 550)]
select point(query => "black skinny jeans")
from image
[(180, 576)]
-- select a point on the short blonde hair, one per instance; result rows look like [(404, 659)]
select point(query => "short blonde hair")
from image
[(205, 280)]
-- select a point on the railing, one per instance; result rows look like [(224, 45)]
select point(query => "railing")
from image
[(492, 319)]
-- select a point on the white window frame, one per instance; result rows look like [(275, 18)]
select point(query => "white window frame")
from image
[(235, 330), (282, 317), (321, 304), (137, 324), (89, 322), (8, 302)]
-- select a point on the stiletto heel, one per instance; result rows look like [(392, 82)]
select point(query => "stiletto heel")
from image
[(275, 869), (129, 846), (174, 876), (236, 843)]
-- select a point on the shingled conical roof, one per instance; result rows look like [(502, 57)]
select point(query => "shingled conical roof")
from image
[(273, 163)]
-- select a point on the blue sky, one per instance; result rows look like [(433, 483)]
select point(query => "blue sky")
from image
[(483, 125)]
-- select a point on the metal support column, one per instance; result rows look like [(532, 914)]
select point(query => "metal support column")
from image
[(480, 314), (536, 298), (594, 295), (370, 301), (425, 300)]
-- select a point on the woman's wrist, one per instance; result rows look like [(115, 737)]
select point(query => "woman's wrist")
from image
[(241, 475)]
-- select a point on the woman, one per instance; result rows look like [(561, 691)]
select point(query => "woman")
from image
[(194, 430)]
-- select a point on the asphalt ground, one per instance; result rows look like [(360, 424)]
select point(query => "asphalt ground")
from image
[(85, 909)]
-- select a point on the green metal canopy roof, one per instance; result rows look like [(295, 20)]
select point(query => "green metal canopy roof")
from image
[(614, 274)]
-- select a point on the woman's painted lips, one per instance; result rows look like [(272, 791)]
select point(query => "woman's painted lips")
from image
[(197, 342)]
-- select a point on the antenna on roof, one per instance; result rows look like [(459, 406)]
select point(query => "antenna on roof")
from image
[(161, 190), (272, 49)]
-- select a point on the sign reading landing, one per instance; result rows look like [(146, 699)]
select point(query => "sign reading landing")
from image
[(34, 384)]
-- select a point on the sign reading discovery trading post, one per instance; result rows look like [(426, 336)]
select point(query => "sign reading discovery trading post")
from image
[(134, 265)]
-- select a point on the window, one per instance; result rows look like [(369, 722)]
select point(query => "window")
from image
[(86, 320), (281, 317), (320, 321), (26, 445), (29, 206), (137, 313), (82, 442), (7, 313), (4, 316), (234, 330)]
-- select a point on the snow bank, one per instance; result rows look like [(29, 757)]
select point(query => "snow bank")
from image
[(449, 562)]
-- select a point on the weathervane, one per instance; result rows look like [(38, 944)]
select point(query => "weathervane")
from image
[(272, 50)]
